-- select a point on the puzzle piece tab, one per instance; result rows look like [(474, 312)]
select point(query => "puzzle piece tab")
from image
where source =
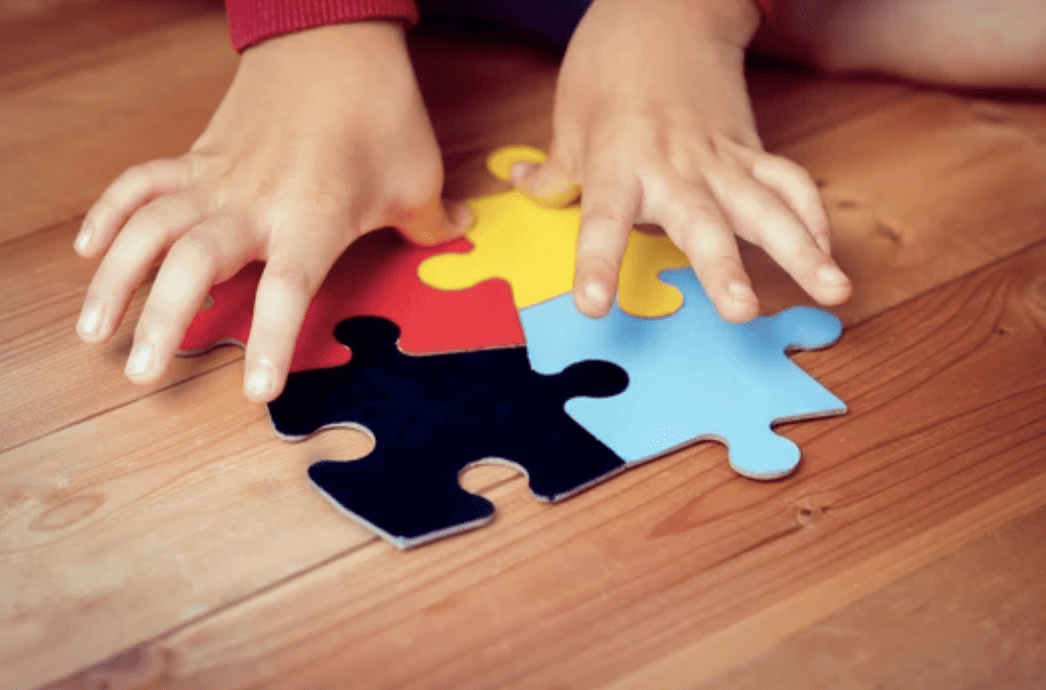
[(534, 248), (431, 417), (691, 376), (377, 275)]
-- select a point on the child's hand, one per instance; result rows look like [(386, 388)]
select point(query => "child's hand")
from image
[(652, 119), (321, 137)]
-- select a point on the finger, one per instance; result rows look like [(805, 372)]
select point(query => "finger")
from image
[(210, 252), (131, 255), (547, 183), (797, 187), (294, 272), (124, 196), (759, 214), (692, 218), (608, 209), (434, 223)]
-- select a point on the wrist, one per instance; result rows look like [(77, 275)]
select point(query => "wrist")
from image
[(330, 43), (732, 22), (335, 59), (253, 21)]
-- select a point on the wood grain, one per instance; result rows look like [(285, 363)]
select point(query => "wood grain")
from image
[(974, 618), (162, 537), (678, 550), (44, 281), (44, 38), (66, 136)]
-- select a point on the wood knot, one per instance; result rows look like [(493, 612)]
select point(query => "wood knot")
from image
[(990, 115), (67, 512), (1035, 298), (810, 510), (885, 232)]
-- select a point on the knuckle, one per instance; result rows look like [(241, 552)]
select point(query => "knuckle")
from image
[(603, 218), (599, 265), (160, 217), (690, 162), (157, 312), (195, 251), (714, 145), (136, 174), (704, 244), (418, 189), (103, 212), (290, 279), (138, 179), (320, 202), (199, 166), (692, 216), (787, 168), (709, 268), (696, 211)]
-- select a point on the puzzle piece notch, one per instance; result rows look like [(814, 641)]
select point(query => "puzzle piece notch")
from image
[(692, 376), (500, 162), (376, 275), (431, 416), (533, 247)]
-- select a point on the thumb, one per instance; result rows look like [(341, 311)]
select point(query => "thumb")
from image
[(546, 183), (436, 222)]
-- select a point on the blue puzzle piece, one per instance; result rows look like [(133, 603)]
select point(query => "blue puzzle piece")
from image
[(691, 376)]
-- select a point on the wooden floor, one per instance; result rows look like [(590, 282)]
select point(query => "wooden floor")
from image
[(163, 537)]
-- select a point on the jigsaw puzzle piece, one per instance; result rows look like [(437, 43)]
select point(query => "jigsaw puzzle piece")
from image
[(433, 416), (533, 247), (692, 376), (377, 275)]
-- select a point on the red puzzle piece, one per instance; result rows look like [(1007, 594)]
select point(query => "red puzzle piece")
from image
[(376, 276)]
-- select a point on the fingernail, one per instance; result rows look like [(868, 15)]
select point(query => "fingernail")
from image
[(520, 169), (832, 275), (90, 321), (596, 293), (261, 380), (141, 360), (464, 217), (741, 292), (83, 239)]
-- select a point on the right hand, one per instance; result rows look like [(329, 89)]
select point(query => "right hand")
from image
[(653, 123), (321, 137)]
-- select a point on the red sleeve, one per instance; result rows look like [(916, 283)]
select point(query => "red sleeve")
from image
[(253, 20), (767, 5)]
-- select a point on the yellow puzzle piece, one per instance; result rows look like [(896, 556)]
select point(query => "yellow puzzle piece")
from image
[(533, 248)]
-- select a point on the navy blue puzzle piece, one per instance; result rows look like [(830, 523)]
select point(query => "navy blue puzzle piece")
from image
[(434, 415)]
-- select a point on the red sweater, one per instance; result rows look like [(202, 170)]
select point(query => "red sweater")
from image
[(253, 20)]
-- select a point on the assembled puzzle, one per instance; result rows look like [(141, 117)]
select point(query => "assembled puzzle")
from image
[(474, 352)]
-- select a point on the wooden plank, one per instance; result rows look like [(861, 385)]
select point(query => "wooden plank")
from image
[(108, 518), (44, 283), (65, 138), (723, 658), (975, 618), (45, 38), (924, 204), (117, 509), (945, 430)]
